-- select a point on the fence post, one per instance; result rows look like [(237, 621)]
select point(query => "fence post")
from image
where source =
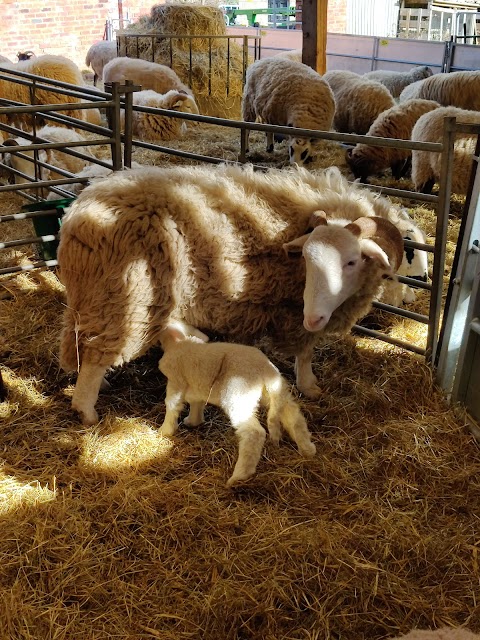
[(443, 207), (128, 129), (113, 119)]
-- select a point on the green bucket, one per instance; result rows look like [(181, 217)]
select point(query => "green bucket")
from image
[(48, 225)]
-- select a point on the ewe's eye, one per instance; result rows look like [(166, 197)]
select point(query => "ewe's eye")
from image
[(351, 263)]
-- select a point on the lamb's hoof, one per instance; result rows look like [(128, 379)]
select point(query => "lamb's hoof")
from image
[(105, 385), (167, 430), (234, 480), (307, 450), (190, 422)]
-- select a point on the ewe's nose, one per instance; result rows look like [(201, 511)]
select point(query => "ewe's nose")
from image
[(314, 323)]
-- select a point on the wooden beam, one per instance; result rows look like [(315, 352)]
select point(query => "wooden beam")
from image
[(314, 27)]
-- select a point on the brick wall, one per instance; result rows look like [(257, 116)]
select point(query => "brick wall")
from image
[(60, 27), (336, 18)]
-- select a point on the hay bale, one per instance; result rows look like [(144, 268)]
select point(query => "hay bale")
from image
[(211, 66)]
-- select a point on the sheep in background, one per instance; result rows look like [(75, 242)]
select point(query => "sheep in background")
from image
[(280, 91), (456, 89), (99, 54), (47, 66), (358, 101), (149, 75), (426, 165), (152, 126), (236, 378), (396, 81), (294, 54), (5, 60), (91, 171), (396, 122), (25, 55), (55, 157), (208, 245), (444, 633)]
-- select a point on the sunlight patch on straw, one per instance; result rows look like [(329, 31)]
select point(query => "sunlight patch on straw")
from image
[(15, 494), (129, 445)]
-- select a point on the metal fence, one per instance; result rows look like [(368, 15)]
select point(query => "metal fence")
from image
[(122, 146)]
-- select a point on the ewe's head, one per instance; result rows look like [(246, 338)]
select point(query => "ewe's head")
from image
[(180, 101), (360, 165), (300, 150), (24, 161), (336, 259)]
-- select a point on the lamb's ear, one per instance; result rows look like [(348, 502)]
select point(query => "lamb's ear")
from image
[(177, 100), (318, 218), (10, 142), (371, 250), (173, 332), (295, 246)]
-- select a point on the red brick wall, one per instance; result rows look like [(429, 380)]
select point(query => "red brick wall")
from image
[(336, 18), (61, 27)]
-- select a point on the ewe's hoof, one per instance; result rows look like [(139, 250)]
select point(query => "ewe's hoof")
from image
[(167, 430), (89, 417), (233, 480), (312, 392)]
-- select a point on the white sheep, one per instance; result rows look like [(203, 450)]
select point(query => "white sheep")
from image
[(149, 75), (283, 92), (396, 122), (55, 157), (426, 165), (238, 379), (358, 101), (99, 54), (444, 633), (208, 245), (5, 60), (456, 89), (47, 66), (153, 126), (396, 81), (91, 171), (292, 54)]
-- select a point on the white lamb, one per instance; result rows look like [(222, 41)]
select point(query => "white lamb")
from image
[(283, 92), (358, 101), (149, 75), (396, 81), (153, 126), (457, 89), (55, 157), (208, 245), (396, 122), (99, 54), (426, 165), (236, 378)]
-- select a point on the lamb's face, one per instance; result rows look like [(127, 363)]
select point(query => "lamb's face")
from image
[(300, 150)]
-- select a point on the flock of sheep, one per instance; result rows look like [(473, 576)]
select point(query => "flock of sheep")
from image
[(297, 257)]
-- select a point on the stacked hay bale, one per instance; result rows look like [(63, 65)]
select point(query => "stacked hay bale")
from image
[(213, 67)]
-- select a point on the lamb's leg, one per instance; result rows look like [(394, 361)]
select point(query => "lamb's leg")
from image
[(296, 427), (251, 438), (195, 416), (306, 380), (173, 405), (85, 395)]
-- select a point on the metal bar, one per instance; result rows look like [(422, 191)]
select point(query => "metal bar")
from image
[(403, 313), (24, 241), (128, 127), (475, 326), (443, 207), (382, 336), (29, 267), (9, 217)]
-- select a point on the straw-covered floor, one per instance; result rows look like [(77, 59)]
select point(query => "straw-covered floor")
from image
[(115, 532)]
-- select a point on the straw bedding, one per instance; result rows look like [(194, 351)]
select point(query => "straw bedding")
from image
[(115, 532), (212, 68)]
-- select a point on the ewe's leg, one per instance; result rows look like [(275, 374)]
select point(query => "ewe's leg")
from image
[(251, 437), (90, 378), (296, 427), (306, 380), (195, 416), (173, 406)]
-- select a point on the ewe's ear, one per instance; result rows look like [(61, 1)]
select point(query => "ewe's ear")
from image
[(371, 249), (295, 246)]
